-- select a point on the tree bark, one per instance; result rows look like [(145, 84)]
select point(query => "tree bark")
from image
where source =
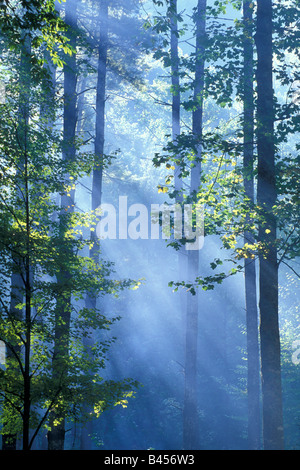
[(100, 106), (190, 412), (97, 182), (56, 436), (273, 435), (28, 320), (250, 268), (176, 95)]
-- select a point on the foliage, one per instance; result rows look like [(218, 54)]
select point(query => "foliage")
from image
[(44, 248), (222, 194), (42, 20), (39, 242)]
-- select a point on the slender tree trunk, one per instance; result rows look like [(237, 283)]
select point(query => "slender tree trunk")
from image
[(176, 96), (176, 130), (28, 295), (190, 412), (49, 88), (91, 298), (100, 130), (273, 435), (250, 268), (56, 436), (100, 106)]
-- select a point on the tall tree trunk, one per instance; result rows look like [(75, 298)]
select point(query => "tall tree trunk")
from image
[(273, 435), (190, 413), (100, 106), (56, 436), (250, 268), (100, 128), (176, 96), (91, 298), (28, 320), (176, 130)]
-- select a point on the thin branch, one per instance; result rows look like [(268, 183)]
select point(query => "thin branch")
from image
[(292, 269), (44, 417)]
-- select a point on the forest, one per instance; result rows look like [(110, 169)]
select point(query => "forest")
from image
[(149, 225)]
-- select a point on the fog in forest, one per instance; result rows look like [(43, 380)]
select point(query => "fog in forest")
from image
[(151, 333), (149, 337)]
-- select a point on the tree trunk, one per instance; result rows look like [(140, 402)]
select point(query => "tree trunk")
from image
[(91, 299), (28, 320), (190, 412), (100, 132), (273, 435), (176, 96), (176, 130), (100, 106), (250, 268), (56, 436)]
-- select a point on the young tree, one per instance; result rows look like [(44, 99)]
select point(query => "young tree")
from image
[(176, 94), (56, 435), (99, 162), (192, 145), (266, 198), (250, 268), (190, 412), (176, 151)]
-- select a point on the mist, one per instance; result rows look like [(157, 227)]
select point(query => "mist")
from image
[(150, 336), (126, 106)]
